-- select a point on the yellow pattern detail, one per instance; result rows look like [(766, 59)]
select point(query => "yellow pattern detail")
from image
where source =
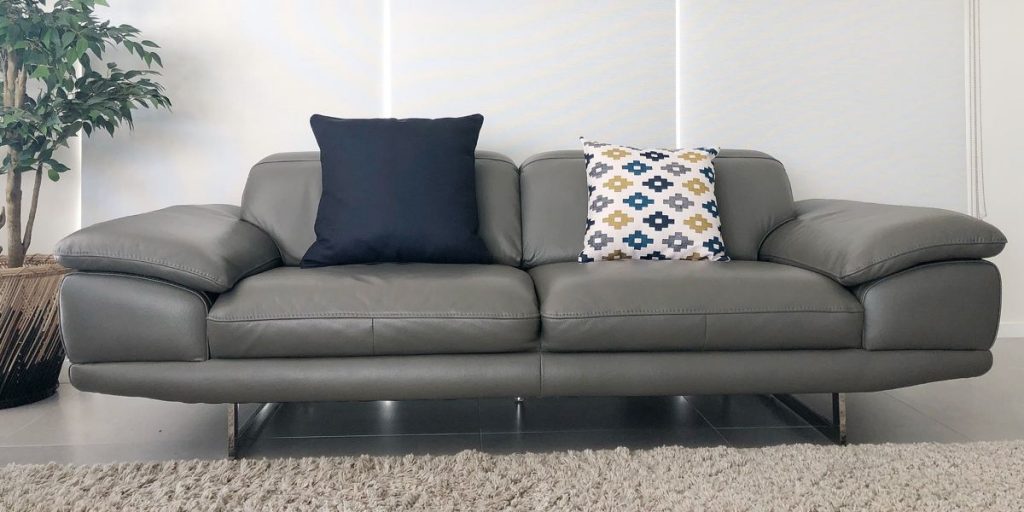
[(615, 255), (694, 156), (615, 153), (618, 183), (697, 186), (618, 219), (698, 223)]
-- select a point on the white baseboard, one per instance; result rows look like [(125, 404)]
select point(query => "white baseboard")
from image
[(1011, 330)]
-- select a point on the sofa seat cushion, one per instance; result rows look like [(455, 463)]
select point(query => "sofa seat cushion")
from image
[(362, 310), (678, 306)]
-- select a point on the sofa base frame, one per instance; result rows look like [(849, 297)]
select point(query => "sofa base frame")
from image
[(834, 429), (242, 434)]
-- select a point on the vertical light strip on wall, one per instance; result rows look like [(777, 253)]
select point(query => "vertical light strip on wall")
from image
[(972, 74), (385, 59), (78, 146), (679, 105)]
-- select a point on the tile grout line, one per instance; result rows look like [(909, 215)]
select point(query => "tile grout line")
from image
[(479, 426), (707, 421), (926, 415)]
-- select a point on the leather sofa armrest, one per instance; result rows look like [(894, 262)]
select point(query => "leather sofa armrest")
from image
[(854, 242), (202, 247)]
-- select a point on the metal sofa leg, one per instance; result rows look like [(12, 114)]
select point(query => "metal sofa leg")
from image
[(240, 435), (835, 429)]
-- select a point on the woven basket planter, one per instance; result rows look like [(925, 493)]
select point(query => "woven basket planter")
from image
[(31, 348)]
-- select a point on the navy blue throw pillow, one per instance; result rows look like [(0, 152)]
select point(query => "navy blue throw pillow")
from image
[(397, 190)]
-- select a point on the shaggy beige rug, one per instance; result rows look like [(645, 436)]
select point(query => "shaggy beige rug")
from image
[(932, 477)]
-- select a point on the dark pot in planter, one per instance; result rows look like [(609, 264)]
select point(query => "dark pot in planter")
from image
[(31, 348)]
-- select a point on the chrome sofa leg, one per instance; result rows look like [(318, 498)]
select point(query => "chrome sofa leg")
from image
[(520, 400), (232, 431), (835, 429), (239, 434)]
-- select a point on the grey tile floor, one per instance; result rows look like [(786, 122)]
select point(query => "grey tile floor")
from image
[(88, 428)]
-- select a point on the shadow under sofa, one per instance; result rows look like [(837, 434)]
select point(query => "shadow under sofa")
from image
[(207, 303)]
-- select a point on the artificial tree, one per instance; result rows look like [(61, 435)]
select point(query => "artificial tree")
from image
[(54, 86)]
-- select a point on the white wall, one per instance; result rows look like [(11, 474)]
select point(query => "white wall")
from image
[(543, 73), (1002, 83), (244, 77), (857, 104), (860, 99)]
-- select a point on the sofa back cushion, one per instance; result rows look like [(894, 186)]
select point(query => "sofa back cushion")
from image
[(752, 189), (283, 192)]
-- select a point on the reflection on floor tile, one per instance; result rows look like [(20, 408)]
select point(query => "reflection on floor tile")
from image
[(880, 418), (759, 437), (386, 418), (587, 413), (115, 452), (989, 408), (599, 439), (73, 417), (17, 418), (745, 411), (435, 444)]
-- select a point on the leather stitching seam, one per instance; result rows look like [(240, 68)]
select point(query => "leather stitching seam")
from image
[(382, 315), (373, 339), (164, 263), (202, 298), (902, 252), (667, 312)]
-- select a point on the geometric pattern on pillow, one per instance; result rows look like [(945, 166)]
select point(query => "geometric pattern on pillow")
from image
[(651, 204)]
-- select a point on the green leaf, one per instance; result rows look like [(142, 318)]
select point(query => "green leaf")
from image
[(50, 45)]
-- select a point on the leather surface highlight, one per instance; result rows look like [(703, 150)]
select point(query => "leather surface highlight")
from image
[(383, 309), (295, 179), (951, 305), (752, 188), (315, 379), (508, 375), (120, 317), (692, 306), (791, 371), (204, 247), (854, 242)]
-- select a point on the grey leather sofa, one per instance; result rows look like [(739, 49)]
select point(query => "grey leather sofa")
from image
[(207, 304)]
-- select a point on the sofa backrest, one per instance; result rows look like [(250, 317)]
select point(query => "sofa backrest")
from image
[(283, 193), (752, 189)]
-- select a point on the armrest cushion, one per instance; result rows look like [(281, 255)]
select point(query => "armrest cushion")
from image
[(203, 247), (854, 242)]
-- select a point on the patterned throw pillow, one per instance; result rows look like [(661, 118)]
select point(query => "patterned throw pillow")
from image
[(651, 204)]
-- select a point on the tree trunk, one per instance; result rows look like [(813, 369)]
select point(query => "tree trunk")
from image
[(15, 249), (14, 97), (26, 239)]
